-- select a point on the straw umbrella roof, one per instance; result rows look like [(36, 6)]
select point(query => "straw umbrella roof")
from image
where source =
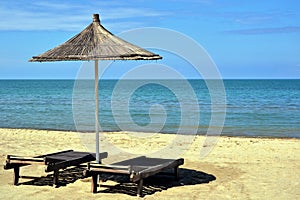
[(95, 43)]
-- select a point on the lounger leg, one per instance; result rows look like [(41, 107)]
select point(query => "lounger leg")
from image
[(94, 183), (140, 187), (55, 177), (16, 175), (176, 173)]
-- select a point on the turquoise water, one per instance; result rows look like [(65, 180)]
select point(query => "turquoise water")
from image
[(268, 108)]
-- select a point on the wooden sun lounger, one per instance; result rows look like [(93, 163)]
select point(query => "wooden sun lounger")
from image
[(138, 169), (54, 162)]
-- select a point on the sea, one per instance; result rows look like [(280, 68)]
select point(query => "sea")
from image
[(252, 108)]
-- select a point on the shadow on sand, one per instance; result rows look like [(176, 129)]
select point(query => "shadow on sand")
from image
[(155, 183), (152, 184), (66, 177)]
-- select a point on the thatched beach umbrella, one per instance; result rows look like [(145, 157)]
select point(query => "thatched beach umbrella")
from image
[(95, 43)]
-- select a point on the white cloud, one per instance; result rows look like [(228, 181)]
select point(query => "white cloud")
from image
[(266, 30), (68, 16), (119, 13), (58, 6)]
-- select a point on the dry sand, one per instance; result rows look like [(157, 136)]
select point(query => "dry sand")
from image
[(236, 168)]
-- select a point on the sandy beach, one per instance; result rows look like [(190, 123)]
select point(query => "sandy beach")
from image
[(236, 168)]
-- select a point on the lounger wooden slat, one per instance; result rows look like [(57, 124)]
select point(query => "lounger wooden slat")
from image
[(27, 162), (146, 173), (111, 171), (138, 169), (102, 166), (25, 158), (53, 162)]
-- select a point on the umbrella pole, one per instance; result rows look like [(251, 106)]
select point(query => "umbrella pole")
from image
[(97, 111)]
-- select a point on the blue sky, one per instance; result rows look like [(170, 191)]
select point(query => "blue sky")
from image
[(246, 39)]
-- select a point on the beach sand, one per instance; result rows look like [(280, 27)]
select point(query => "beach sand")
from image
[(236, 168)]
